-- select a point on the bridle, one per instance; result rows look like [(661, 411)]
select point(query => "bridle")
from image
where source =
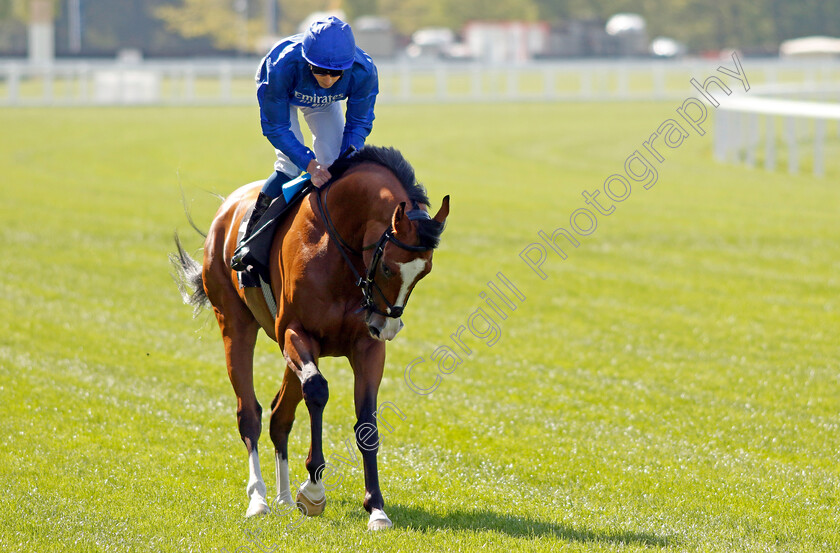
[(367, 283)]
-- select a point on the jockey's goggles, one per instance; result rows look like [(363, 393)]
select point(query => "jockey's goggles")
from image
[(322, 71)]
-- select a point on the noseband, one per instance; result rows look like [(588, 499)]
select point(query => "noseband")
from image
[(367, 284)]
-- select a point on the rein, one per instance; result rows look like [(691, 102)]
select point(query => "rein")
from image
[(367, 284)]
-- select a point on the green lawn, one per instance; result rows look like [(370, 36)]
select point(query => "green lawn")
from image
[(673, 385)]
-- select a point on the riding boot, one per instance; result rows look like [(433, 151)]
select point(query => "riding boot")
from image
[(241, 257)]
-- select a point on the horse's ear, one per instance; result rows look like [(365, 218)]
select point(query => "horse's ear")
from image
[(443, 212), (399, 222)]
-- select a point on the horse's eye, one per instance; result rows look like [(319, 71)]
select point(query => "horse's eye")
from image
[(386, 271)]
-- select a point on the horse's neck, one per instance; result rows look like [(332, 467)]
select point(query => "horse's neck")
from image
[(356, 207)]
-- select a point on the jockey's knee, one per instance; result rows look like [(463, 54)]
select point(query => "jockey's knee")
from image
[(273, 186)]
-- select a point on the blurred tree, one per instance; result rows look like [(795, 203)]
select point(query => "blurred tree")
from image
[(804, 17), (295, 11), (410, 15), (753, 25), (461, 11), (162, 25), (133, 25), (22, 9), (358, 8), (235, 24), (15, 15), (230, 24)]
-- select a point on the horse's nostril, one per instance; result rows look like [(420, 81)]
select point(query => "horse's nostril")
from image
[(374, 331)]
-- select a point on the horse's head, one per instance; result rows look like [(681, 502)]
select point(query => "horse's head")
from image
[(399, 260)]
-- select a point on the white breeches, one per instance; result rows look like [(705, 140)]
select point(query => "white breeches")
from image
[(326, 123)]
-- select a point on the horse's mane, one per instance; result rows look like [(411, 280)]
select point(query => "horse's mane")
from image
[(428, 230)]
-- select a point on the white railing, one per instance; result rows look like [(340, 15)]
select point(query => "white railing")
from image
[(230, 81), (747, 125), (104, 83), (744, 124)]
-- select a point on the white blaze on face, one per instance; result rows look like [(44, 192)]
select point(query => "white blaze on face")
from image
[(409, 273)]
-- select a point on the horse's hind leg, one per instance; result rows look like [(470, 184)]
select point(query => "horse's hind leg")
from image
[(239, 331), (282, 417)]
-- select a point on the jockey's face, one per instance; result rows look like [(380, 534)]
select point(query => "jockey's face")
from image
[(325, 81), (325, 77)]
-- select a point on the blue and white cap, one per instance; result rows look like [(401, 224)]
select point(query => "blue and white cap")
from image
[(329, 43)]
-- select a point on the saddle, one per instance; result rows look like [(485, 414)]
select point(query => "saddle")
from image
[(258, 275)]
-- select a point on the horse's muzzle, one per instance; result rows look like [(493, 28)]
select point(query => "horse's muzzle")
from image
[(383, 328)]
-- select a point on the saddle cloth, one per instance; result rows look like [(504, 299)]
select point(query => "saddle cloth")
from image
[(261, 239)]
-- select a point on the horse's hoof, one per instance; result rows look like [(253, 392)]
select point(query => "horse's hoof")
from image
[(309, 507), (379, 521), (257, 506)]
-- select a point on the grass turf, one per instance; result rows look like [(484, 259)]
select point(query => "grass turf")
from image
[(672, 385)]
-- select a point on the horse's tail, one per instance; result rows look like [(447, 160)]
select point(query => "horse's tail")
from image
[(188, 278), (189, 216)]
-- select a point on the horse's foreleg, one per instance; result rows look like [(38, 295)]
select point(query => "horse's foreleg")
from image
[(282, 417), (301, 353), (239, 331), (368, 365)]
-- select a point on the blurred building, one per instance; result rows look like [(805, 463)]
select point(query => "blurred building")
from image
[(506, 41), (666, 47), (579, 38), (810, 47), (621, 35), (431, 43), (41, 35), (629, 33), (375, 35)]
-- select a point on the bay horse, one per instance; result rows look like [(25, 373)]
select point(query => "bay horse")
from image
[(343, 264)]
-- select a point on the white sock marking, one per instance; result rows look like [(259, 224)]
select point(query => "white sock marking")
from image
[(284, 492), (255, 479)]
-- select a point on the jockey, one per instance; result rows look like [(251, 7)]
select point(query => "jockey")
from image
[(311, 73)]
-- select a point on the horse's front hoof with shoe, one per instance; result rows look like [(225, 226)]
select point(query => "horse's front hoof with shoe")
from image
[(342, 265), (311, 499)]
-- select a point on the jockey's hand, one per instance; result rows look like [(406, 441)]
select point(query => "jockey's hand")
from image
[(319, 173)]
